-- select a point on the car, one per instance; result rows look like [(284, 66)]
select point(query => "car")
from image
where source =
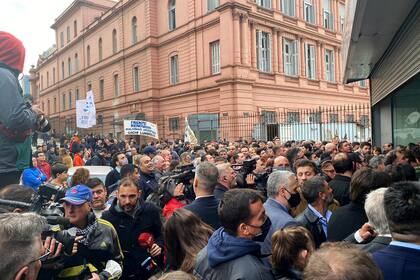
[(95, 171)]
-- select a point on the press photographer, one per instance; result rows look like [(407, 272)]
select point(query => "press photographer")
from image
[(17, 118)]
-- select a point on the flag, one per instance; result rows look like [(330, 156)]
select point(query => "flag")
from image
[(86, 111), (189, 135)]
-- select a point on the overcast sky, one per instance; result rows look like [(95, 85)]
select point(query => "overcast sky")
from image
[(30, 21)]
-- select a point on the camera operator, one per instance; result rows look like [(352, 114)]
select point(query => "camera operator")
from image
[(96, 252), (17, 118)]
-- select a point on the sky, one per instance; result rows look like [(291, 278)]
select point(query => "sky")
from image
[(30, 21)]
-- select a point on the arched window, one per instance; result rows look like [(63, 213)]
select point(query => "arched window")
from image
[(134, 30), (69, 66), (62, 69), (114, 41), (88, 55), (171, 15), (76, 62), (100, 49)]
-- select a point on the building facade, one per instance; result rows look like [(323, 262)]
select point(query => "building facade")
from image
[(202, 59), (388, 53)]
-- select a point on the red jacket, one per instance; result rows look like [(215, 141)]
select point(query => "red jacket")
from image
[(45, 168), (78, 161)]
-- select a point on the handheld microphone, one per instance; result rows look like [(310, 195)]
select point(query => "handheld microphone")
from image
[(146, 240)]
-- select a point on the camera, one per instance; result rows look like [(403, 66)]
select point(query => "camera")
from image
[(42, 124), (181, 174)]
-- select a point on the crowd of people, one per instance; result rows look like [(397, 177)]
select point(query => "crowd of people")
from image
[(220, 210)]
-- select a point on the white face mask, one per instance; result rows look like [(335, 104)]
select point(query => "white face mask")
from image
[(125, 161)]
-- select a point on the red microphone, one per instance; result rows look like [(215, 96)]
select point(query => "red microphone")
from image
[(146, 240)]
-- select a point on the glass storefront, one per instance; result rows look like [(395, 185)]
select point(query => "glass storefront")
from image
[(406, 113)]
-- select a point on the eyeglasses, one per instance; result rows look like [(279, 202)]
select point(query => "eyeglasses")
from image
[(42, 258)]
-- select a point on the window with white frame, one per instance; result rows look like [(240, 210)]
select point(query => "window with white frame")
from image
[(136, 79), (263, 51), (290, 57), (289, 7), (362, 83), (329, 65), (212, 4), (264, 3), (215, 57), (327, 15), (116, 85), (293, 117), (174, 69), (309, 11), (310, 61), (134, 30), (342, 16), (172, 15)]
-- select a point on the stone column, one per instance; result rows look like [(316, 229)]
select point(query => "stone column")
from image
[(337, 65), (245, 39), (236, 38), (280, 52), (253, 44), (320, 59), (301, 56), (275, 51), (318, 12)]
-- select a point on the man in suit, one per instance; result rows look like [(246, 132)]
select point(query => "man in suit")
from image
[(316, 216), (340, 184), (401, 258), (282, 195), (205, 204), (226, 181)]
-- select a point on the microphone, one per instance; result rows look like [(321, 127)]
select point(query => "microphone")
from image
[(146, 240)]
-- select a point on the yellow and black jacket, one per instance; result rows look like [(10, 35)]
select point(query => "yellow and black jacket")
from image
[(102, 245)]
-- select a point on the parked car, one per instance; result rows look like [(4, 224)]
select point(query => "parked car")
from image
[(94, 171)]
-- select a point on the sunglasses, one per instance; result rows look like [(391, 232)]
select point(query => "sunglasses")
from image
[(42, 258)]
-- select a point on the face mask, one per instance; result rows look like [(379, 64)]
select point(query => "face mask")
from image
[(294, 199), (281, 168), (265, 228), (125, 161)]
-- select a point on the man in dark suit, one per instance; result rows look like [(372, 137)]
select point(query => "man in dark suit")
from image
[(316, 216), (226, 181), (205, 205), (340, 184), (401, 258)]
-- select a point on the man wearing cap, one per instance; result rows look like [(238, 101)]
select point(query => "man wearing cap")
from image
[(96, 252)]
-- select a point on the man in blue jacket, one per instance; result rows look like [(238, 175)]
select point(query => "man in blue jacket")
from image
[(33, 177), (233, 251), (401, 258)]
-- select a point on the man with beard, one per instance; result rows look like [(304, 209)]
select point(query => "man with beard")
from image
[(131, 216), (316, 216), (99, 196)]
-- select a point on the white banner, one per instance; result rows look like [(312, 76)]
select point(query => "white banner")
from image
[(189, 135), (136, 127), (82, 116), (86, 111)]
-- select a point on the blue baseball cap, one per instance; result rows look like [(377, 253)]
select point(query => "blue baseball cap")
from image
[(77, 195)]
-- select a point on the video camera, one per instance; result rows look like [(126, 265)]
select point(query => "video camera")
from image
[(181, 174)]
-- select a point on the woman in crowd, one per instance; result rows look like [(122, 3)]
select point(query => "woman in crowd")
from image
[(80, 177), (185, 235), (291, 247)]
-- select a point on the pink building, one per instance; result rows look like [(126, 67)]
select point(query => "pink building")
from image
[(170, 59)]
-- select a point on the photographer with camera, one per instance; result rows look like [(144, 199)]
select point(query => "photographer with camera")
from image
[(17, 117), (96, 253)]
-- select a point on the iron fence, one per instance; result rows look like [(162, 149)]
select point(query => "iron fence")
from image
[(352, 122)]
